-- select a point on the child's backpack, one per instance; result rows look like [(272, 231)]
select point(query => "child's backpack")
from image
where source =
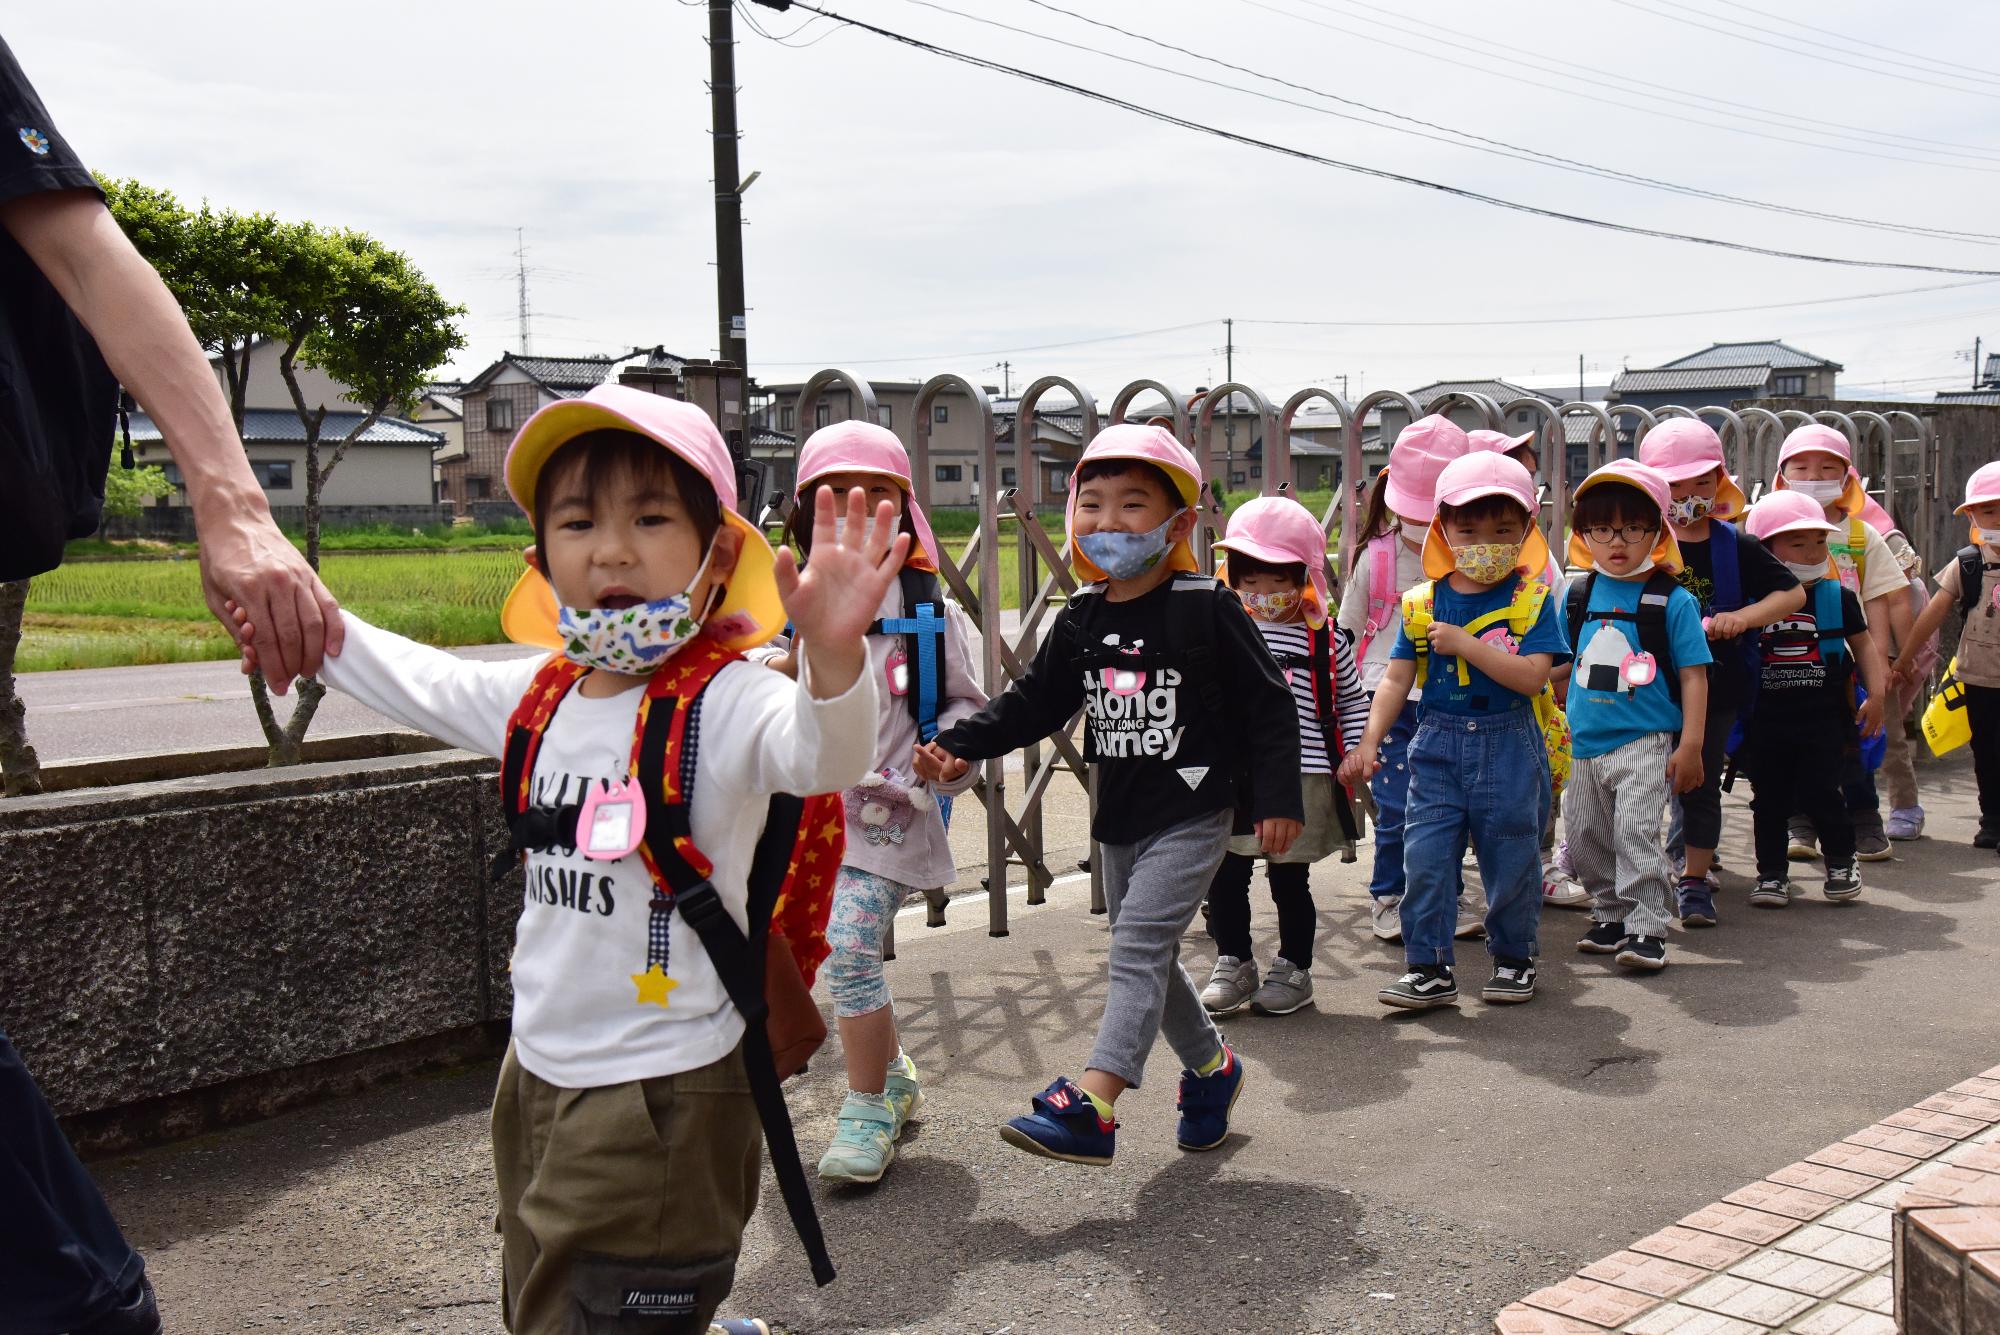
[(1650, 619), (1318, 660), (1972, 569), (1829, 625), (1725, 551), (768, 974), (922, 630), (1382, 601), (1520, 615)]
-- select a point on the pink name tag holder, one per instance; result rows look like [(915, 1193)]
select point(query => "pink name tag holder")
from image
[(612, 821)]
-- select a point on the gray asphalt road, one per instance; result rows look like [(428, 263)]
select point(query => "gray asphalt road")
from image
[(172, 706), (1391, 1172)]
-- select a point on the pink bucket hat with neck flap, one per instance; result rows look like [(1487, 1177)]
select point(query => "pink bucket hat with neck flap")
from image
[(1279, 531), (1819, 438), (864, 447), (1666, 552), (1465, 480), (1421, 451), (1153, 445), (1682, 449)]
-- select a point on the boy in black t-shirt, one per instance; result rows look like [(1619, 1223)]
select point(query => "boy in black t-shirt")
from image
[(1741, 588), (1186, 719), (1800, 738)]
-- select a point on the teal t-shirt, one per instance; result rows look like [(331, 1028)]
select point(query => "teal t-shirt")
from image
[(1479, 693), (1605, 710)]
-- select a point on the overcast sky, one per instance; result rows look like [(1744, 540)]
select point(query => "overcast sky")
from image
[(915, 215)]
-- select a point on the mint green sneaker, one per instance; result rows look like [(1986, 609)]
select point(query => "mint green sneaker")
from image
[(905, 1095), (864, 1141)]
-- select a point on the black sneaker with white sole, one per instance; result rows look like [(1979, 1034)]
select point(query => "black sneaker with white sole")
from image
[(1603, 938), (1643, 952), (1512, 981), (1771, 892), (1843, 883), (1424, 986)]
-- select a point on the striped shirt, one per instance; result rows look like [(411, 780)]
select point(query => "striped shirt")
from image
[(1289, 644)]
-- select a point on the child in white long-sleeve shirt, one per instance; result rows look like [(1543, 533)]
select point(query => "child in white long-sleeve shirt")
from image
[(632, 496)]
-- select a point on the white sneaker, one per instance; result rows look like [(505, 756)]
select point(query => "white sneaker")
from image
[(1230, 986), (1471, 926), (1559, 891), (1384, 919)]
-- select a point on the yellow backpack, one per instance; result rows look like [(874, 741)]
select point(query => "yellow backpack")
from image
[(1419, 610)]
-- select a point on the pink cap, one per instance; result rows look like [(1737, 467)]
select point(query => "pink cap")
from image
[(1667, 551), (1815, 438), (1147, 444), (1421, 451), (1279, 531), (1681, 449), (1786, 512), (1499, 442), (864, 447), (1485, 473), (681, 427), (1982, 488)]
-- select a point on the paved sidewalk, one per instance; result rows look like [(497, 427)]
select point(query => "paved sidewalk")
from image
[(1391, 1172), (1806, 1250)]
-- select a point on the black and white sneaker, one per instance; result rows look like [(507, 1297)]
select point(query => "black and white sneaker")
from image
[(1987, 836), (1843, 883), (1424, 986), (1772, 892), (1643, 952), (1603, 938), (1512, 981)]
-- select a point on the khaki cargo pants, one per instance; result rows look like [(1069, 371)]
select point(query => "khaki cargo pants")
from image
[(622, 1207)]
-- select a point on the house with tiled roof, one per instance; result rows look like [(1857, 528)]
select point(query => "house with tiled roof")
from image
[(1725, 373), (494, 403)]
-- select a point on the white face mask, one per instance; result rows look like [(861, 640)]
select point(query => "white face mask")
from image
[(1807, 571), (1825, 492)]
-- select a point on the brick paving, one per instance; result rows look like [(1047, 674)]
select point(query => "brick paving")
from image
[(1807, 1249)]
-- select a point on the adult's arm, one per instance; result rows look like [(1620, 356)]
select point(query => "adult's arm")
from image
[(75, 242)]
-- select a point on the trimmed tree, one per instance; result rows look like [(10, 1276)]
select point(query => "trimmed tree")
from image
[(335, 300)]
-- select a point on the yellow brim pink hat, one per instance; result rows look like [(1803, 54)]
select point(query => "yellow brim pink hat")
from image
[(1146, 444), (1465, 480), (1818, 438), (1666, 552), (1682, 449), (751, 611)]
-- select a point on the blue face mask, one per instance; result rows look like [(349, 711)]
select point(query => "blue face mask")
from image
[(1126, 555)]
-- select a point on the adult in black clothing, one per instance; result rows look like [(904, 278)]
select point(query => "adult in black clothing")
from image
[(81, 312)]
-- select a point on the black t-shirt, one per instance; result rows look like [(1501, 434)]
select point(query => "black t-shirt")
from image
[(1797, 674), (1162, 757), (1759, 574), (58, 400)]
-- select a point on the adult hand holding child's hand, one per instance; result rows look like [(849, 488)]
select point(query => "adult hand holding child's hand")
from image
[(833, 600)]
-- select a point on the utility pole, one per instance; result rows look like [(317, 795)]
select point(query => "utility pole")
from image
[(1342, 378), (1579, 377), (521, 286), (1228, 417), (1976, 343), (732, 337), (1006, 380)]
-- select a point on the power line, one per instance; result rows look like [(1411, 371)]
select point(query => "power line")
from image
[(1677, 96), (1513, 79), (1875, 45), (1795, 51), (1299, 154), (1927, 67), (1002, 352), (751, 19), (1500, 147)]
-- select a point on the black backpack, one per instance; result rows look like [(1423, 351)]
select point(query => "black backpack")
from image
[(1651, 619), (1972, 568)]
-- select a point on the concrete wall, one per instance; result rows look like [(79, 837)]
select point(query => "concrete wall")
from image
[(368, 475), (172, 937)]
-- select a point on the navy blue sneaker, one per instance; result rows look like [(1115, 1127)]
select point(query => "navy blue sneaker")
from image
[(1064, 1125), (1697, 902), (1206, 1101)]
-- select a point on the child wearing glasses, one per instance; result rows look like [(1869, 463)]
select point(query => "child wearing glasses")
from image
[(1638, 698)]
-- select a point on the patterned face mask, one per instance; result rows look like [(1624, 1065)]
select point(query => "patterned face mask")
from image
[(1126, 555), (1690, 509), (1486, 562), (1271, 606), (633, 640)]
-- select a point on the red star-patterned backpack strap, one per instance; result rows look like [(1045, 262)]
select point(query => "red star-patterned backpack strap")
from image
[(767, 972), (526, 828)]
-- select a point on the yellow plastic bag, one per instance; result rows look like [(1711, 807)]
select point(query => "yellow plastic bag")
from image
[(1945, 725)]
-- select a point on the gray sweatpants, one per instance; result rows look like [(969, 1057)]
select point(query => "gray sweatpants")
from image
[(1152, 889), (1612, 814)]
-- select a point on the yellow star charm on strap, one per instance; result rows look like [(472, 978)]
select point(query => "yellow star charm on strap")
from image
[(654, 986)]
